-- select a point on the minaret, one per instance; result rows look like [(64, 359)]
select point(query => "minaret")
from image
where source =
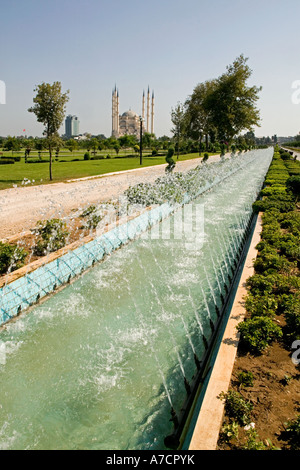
[(115, 113), (148, 109), (118, 116), (152, 114)]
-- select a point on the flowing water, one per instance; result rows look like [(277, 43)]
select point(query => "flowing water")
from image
[(100, 364)]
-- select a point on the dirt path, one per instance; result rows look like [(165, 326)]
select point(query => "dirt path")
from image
[(295, 152), (22, 207)]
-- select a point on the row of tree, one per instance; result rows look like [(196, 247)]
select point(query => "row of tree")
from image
[(151, 144), (219, 109), (92, 143)]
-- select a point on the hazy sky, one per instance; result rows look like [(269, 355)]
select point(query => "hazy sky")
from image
[(170, 45)]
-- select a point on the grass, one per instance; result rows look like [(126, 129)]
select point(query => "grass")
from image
[(38, 173)]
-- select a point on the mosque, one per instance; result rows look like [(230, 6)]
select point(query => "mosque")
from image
[(129, 122)]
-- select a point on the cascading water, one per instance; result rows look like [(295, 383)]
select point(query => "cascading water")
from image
[(100, 364)]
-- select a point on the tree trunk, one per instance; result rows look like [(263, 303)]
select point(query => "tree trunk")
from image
[(50, 162), (200, 145), (206, 142)]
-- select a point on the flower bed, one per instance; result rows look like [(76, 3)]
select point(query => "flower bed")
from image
[(272, 323)]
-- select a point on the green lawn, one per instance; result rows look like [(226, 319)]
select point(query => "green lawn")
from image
[(38, 173)]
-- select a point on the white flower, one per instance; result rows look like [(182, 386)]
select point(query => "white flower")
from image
[(249, 426)]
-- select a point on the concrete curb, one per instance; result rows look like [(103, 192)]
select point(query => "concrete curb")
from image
[(206, 432)]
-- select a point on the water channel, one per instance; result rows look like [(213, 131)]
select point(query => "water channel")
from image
[(100, 363)]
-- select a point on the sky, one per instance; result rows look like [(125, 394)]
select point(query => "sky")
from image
[(169, 45)]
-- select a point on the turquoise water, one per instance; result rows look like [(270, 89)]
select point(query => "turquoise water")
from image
[(99, 364)]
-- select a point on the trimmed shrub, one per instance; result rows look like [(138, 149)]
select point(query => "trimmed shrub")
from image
[(258, 333), (273, 190), (286, 284), (289, 246), (292, 433), (6, 161), (280, 202), (11, 257), (223, 149), (52, 236), (269, 261), (88, 211), (142, 193), (169, 159), (258, 283), (261, 305), (93, 217), (291, 308), (286, 156), (236, 407), (293, 185), (291, 222)]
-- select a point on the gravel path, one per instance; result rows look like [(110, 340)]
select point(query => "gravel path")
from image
[(22, 207)]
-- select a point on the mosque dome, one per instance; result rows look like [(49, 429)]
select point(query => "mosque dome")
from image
[(130, 114)]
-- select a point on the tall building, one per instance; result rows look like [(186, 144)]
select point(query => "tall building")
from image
[(72, 126), (128, 123)]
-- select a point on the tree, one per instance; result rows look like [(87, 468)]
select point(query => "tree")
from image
[(147, 140), (72, 145), (117, 148), (50, 108), (232, 104), (178, 119), (89, 145), (110, 143), (59, 145), (95, 145), (250, 139), (198, 114), (40, 145), (27, 145), (13, 144), (128, 141)]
